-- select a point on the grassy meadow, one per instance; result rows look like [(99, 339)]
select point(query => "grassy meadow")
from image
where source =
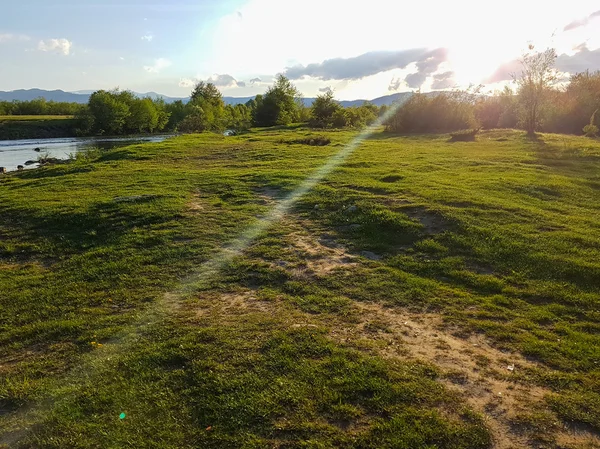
[(28, 118), (425, 294)]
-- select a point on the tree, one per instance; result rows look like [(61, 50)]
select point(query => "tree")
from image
[(534, 84), (109, 111), (279, 105), (323, 110), (177, 112), (206, 109), (143, 116)]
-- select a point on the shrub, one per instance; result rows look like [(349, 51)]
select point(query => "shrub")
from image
[(590, 130), (317, 141), (443, 112)]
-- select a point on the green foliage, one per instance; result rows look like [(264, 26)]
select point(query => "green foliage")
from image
[(590, 130), (323, 110), (205, 110), (39, 106), (443, 112), (121, 112), (177, 111), (280, 105), (238, 117), (327, 113)]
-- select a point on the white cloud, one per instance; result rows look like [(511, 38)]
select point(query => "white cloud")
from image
[(121, 58), (159, 64), (187, 82), (147, 37), (13, 37), (57, 45)]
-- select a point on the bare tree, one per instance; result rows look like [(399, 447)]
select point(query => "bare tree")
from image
[(534, 84)]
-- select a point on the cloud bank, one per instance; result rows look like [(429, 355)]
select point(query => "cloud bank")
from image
[(368, 64), (357, 67)]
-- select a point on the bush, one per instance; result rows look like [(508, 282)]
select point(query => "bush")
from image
[(318, 141), (443, 112), (590, 130)]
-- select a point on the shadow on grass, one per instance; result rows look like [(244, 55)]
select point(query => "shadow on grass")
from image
[(99, 224)]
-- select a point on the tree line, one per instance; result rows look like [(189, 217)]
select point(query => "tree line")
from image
[(39, 106), (121, 112), (537, 103), (540, 101)]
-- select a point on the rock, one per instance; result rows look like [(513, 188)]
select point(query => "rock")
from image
[(369, 255), (2, 170), (30, 162), (20, 167), (38, 149), (352, 209)]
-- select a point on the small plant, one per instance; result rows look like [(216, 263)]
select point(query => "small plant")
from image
[(591, 130), (318, 141)]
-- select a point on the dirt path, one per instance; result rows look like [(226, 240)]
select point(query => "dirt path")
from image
[(483, 375)]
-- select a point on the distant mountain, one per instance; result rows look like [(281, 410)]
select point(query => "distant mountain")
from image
[(390, 99), (83, 96), (54, 95)]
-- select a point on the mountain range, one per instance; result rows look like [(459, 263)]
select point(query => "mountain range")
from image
[(83, 96)]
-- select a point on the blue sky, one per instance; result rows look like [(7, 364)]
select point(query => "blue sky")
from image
[(359, 49)]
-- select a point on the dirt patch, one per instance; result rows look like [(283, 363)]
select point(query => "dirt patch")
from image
[(268, 194), (480, 373), (231, 304), (320, 256), (433, 223), (483, 375), (195, 204)]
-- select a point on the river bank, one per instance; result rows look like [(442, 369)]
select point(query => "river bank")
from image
[(45, 128), (18, 152)]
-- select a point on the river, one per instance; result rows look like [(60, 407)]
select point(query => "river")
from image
[(17, 152)]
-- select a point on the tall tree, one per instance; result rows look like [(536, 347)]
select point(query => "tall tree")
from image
[(110, 112), (279, 105), (206, 109), (534, 85), (323, 110)]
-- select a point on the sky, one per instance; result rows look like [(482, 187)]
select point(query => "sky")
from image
[(359, 49)]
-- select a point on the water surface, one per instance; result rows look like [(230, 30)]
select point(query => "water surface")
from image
[(17, 152)]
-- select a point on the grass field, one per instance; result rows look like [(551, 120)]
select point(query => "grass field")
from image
[(28, 118), (426, 294)]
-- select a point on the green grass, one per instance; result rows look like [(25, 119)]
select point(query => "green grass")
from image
[(27, 118), (501, 236)]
